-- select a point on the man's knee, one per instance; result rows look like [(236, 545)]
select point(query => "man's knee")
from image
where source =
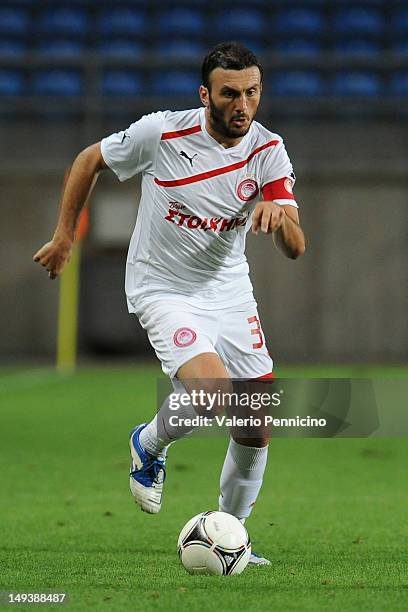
[(255, 442), (207, 381), (209, 396)]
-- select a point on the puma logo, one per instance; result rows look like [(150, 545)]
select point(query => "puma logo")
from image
[(190, 159)]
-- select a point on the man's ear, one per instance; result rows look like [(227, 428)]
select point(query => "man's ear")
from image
[(204, 95)]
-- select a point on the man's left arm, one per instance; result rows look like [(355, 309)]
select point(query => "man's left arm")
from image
[(278, 214), (282, 221)]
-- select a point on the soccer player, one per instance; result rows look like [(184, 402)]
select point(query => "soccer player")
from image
[(209, 175)]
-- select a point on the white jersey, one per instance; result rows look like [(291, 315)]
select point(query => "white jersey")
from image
[(196, 205)]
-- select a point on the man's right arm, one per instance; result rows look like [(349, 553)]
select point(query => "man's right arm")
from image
[(127, 153), (78, 186)]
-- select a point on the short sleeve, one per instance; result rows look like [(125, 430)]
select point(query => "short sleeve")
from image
[(278, 177), (134, 150)]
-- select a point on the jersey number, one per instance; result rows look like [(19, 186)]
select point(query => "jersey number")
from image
[(256, 331)]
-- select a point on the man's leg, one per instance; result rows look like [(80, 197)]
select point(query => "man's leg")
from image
[(205, 371), (242, 347), (242, 477), (148, 443), (245, 461)]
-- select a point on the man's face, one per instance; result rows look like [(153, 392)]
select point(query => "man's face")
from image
[(232, 100)]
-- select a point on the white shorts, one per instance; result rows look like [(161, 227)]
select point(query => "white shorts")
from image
[(179, 331)]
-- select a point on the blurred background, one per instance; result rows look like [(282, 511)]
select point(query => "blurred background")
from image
[(336, 89)]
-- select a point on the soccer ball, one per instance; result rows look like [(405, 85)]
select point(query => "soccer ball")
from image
[(214, 543)]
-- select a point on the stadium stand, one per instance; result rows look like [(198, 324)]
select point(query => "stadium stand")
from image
[(240, 22), (298, 83), (358, 21), (181, 21), (175, 83), (12, 48), (119, 47), (60, 48), (299, 46), (400, 47), (11, 83), (303, 21), (122, 21), (63, 21), (357, 47), (361, 84), (179, 48), (399, 21), (13, 21), (57, 83), (309, 49), (399, 84), (121, 83)]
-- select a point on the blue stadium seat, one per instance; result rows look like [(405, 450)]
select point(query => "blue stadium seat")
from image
[(121, 83), (203, 4), (61, 48), (358, 21), (181, 21), (11, 83), (234, 22), (64, 20), (357, 47), (123, 20), (400, 47), (176, 83), (299, 46), (256, 45), (399, 21), (356, 83), (13, 21), (399, 84), (57, 83), (180, 48), (305, 21), (12, 48), (306, 83), (119, 47)]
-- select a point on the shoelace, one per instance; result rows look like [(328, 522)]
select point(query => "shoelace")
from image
[(156, 467), (152, 470)]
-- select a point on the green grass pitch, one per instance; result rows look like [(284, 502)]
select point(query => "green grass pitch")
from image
[(332, 515)]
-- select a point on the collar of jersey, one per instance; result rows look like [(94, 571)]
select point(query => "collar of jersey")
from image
[(226, 151)]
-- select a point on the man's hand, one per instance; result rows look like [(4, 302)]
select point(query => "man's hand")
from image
[(54, 255), (79, 181), (283, 223), (268, 216)]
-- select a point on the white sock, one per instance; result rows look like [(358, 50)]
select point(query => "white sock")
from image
[(160, 433), (241, 478)]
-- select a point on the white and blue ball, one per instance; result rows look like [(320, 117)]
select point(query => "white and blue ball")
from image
[(214, 543)]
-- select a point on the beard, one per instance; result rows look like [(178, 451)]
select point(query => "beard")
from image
[(223, 127)]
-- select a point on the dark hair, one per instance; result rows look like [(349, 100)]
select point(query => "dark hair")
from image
[(229, 56)]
